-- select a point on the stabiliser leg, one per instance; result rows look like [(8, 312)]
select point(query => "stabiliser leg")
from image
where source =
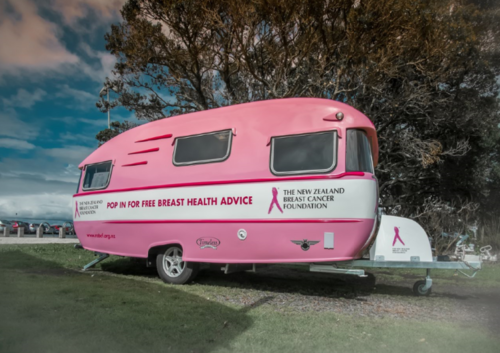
[(102, 256), (428, 281)]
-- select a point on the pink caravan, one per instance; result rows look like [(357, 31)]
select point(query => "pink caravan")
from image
[(278, 181)]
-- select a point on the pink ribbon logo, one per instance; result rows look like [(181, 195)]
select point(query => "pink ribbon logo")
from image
[(76, 209), (397, 237), (275, 201)]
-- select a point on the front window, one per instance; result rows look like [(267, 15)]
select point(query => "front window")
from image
[(79, 181), (304, 154), (205, 148), (97, 176), (358, 152)]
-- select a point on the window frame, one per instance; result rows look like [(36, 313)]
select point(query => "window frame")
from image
[(79, 181), (311, 171), (370, 146), (109, 176), (204, 161)]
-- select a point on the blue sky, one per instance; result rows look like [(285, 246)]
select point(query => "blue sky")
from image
[(52, 64)]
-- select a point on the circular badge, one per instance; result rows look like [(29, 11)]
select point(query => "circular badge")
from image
[(242, 234)]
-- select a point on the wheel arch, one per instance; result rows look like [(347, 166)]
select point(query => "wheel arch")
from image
[(157, 248)]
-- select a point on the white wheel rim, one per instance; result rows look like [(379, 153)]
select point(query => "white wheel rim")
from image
[(172, 262)]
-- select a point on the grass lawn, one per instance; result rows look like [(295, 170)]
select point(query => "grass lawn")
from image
[(48, 306)]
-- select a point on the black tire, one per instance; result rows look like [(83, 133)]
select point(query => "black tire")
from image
[(418, 291), (180, 272)]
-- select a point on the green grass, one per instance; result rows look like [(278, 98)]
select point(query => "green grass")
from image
[(47, 306)]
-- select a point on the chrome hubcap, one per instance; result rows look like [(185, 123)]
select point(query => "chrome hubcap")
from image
[(172, 262)]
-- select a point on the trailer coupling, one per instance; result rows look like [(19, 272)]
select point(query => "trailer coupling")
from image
[(102, 256)]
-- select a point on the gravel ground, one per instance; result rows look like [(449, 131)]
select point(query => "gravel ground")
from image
[(294, 289), (286, 290)]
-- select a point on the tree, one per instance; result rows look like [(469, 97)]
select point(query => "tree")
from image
[(115, 129), (423, 71)]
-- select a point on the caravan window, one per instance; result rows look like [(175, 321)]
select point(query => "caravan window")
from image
[(97, 176), (358, 152), (205, 148), (304, 154), (79, 182)]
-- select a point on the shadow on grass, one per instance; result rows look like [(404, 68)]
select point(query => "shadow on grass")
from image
[(275, 279), (268, 278), (46, 307), (278, 279)]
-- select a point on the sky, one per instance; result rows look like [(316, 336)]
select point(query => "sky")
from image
[(53, 62)]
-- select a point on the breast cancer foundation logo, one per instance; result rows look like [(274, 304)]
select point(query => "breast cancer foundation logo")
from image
[(275, 201), (397, 237), (77, 213)]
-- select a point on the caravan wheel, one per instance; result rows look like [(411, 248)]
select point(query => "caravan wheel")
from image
[(418, 289), (172, 269)]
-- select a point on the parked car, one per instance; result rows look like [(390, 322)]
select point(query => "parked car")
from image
[(5, 224), (34, 227), (47, 228), (17, 224), (68, 227), (71, 228)]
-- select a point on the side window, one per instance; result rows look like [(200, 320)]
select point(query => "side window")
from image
[(304, 154), (205, 148), (97, 176), (358, 152)]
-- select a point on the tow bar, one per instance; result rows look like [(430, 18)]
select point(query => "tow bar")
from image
[(102, 256)]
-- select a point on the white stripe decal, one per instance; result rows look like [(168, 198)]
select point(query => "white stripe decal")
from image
[(274, 200)]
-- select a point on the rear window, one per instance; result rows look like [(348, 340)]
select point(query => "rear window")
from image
[(358, 152), (97, 176), (205, 148), (304, 154), (5, 222)]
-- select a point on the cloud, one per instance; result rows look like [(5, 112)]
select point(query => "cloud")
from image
[(104, 69), (82, 138), (72, 170), (16, 144), (86, 99), (12, 126), (69, 154), (42, 206), (40, 166), (22, 183), (29, 42), (40, 187), (106, 62), (100, 122), (75, 10), (96, 122), (25, 99), (35, 197)]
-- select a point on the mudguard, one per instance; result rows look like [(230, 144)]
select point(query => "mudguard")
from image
[(400, 239)]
